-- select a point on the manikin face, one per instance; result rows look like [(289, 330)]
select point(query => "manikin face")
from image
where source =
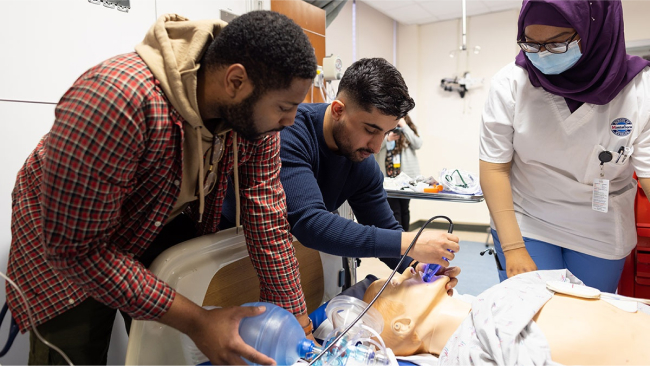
[(416, 313), (261, 115), (358, 133)]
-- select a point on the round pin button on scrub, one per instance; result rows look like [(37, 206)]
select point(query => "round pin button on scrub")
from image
[(605, 157)]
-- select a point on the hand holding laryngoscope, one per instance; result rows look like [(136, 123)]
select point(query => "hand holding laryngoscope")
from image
[(434, 247), (431, 269)]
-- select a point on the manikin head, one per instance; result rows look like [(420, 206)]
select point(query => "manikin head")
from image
[(372, 97), (255, 73), (419, 317)]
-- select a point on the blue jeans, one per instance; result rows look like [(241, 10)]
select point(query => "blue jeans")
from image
[(600, 273)]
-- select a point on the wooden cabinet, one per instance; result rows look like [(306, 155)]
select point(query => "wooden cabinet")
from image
[(312, 21)]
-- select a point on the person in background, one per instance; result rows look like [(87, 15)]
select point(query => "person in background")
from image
[(397, 155), (327, 159), (564, 128), (136, 161)]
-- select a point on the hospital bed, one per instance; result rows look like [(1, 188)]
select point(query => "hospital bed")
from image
[(215, 270)]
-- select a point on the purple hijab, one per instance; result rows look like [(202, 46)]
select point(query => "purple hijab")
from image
[(604, 68)]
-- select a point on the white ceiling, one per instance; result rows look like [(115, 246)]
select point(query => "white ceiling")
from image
[(429, 11)]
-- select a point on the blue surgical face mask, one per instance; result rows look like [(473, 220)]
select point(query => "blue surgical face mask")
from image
[(555, 63), (390, 145)]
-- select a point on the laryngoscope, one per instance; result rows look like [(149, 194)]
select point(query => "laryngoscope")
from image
[(430, 269)]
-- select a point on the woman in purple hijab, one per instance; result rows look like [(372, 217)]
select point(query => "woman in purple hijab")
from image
[(563, 130)]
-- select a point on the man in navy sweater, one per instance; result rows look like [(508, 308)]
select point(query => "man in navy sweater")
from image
[(327, 158)]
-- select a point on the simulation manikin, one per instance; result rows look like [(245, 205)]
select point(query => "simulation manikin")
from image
[(421, 317)]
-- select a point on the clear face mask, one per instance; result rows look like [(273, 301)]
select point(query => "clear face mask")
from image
[(556, 63), (362, 345)]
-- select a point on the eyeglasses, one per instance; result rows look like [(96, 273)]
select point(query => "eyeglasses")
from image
[(215, 152), (552, 47)]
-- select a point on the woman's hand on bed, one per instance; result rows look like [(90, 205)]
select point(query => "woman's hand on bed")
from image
[(518, 261)]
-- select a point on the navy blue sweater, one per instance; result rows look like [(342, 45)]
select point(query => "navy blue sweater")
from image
[(317, 181)]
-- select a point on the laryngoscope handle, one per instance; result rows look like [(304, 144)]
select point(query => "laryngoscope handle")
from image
[(430, 269)]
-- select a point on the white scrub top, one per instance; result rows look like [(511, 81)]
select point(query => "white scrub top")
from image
[(554, 156)]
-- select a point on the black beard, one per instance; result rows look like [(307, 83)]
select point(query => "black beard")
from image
[(239, 117), (344, 147)]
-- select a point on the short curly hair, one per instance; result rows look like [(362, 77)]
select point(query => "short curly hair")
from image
[(374, 82), (273, 49)]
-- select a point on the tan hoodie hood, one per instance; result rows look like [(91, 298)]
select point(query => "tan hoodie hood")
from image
[(172, 49)]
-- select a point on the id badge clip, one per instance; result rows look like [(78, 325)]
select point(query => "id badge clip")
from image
[(600, 193)]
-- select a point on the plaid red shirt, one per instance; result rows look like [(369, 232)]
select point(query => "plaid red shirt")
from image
[(94, 193)]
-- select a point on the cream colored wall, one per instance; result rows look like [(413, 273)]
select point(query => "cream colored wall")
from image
[(449, 124), (338, 36), (374, 34), (408, 60), (636, 14)]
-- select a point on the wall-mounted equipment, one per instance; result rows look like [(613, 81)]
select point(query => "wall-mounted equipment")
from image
[(464, 83), (461, 85), (227, 16), (332, 68), (121, 5)]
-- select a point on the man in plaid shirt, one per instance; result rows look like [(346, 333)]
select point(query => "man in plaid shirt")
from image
[(142, 144)]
